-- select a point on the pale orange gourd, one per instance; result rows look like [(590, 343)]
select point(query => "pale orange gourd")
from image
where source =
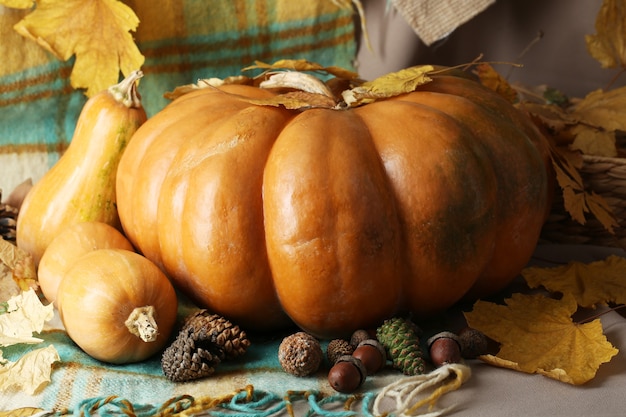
[(80, 187), (117, 306), (337, 218), (72, 243)]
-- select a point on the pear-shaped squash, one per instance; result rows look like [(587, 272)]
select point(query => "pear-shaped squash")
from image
[(80, 187)]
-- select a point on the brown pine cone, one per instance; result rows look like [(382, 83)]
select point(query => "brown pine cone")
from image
[(8, 221), (204, 341), (185, 360), (228, 337)]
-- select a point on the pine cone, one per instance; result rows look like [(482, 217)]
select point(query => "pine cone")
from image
[(204, 341), (8, 221), (400, 338), (232, 341)]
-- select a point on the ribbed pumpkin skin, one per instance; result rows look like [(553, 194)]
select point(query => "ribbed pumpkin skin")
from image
[(338, 218)]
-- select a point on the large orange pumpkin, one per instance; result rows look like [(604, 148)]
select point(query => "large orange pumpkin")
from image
[(336, 219)]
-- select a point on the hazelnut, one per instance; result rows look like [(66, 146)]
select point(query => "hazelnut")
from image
[(444, 348), (347, 374), (372, 355), (300, 354)]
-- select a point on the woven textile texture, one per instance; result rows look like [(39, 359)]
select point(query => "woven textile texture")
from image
[(182, 41)]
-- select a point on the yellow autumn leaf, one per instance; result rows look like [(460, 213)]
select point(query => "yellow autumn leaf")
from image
[(537, 335), (388, 85), (18, 4), (608, 45), (592, 283), (96, 32)]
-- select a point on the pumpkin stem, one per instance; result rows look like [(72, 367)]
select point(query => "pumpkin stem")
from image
[(126, 91), (142, 324)]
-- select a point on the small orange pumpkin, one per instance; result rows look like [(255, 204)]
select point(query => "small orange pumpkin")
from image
[(72, 243), (117, 305), (336, 218)]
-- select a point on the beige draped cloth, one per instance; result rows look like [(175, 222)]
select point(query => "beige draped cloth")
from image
[(433, 20)]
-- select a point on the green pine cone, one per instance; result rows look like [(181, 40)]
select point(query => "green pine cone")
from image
[(400, 338)]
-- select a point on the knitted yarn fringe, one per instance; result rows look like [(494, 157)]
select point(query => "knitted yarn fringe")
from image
[(408, 392), (246, 402), (407, 396)]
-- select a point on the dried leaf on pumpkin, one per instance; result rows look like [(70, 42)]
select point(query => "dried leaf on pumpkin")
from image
[(608, 45), (95, 31), (491, 79), (388, 85), (537, 335), (592, 283), (303, 65)]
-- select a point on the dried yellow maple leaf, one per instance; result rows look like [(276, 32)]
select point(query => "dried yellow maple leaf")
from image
[(537, 335), (96, 32), (592, 283), (608, 45)]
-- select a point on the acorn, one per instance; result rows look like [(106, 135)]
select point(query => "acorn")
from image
[(358, 336), (372, 355), (347, 374), (473, 343), (444, 348)]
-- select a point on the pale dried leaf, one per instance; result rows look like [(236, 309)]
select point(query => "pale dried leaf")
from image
[(21, 264), (21, 412), (25, 315), (29, 373), (304, 65)]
